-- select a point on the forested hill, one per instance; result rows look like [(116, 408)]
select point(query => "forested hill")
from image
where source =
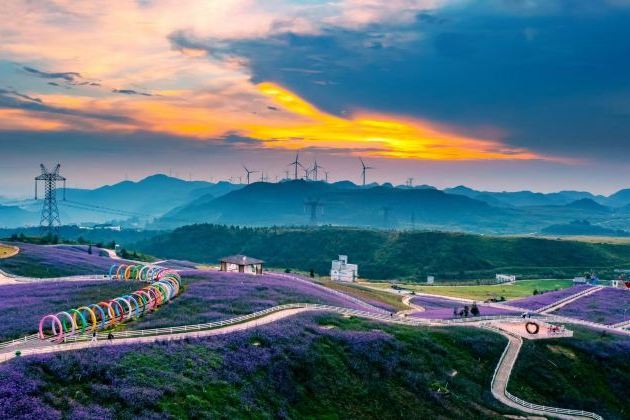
[(390, 254)]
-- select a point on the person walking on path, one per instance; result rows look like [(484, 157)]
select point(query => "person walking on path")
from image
[(110, 336), (93, 337)]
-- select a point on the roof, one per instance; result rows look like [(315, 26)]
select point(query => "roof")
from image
[(241, 260)]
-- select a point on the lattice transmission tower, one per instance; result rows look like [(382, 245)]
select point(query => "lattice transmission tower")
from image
[(50, 212), (313, 205)]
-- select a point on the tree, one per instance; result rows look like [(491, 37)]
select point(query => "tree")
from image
[(312, 273), (474, 309), (536, 291), (90, 249)]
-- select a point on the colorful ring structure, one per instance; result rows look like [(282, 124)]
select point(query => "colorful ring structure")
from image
[(164, 285)]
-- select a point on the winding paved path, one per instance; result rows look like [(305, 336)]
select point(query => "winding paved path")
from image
[(501, 378)]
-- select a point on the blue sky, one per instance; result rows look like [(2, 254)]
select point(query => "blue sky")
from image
[(500, 95)]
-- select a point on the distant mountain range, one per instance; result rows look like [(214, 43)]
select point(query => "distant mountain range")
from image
[(140, 201), (164, 202), (293, 202), (12, 216)]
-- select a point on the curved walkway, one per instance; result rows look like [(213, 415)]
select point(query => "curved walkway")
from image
[(6, 278), (501, 378)]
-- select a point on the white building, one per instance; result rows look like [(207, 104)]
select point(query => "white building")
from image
[(505, 278), (342, 271)]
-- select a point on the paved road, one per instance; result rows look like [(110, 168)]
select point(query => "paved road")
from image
[(502, 376)]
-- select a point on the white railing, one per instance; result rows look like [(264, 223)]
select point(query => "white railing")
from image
[(622, 324), (17, 341), (579, 413)]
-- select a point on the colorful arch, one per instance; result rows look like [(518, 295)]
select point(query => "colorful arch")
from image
[(165, 284)]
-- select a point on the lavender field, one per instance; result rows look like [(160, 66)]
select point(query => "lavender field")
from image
[(55, 261), (541, 300), (608, 306), (439, 308), (213, 295), (312, 365), (23, 305)]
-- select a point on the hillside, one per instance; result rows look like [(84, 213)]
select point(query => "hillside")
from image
[(149, 197), (386, 254), (583, 227), (345, 204), (13, 216), (263, 204), (292, 369)]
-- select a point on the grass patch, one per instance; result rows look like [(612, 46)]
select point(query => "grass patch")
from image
[(521, 288), (367, 294)]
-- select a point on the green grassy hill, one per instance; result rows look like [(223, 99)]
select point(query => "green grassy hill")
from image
[(381, 254)]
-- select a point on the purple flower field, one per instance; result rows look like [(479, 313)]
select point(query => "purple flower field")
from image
[(541, 300), (440, 308), (605, 307), (290, 369), (55, 261), (23, 305), (212, 295)]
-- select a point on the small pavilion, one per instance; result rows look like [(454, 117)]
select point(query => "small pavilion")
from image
[(241, 264)]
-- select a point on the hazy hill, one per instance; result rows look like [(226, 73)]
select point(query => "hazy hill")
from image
[(588, 205), (619, 199), (13, 216), (582, 227), (380, 206), (525, 198), (149, 197)]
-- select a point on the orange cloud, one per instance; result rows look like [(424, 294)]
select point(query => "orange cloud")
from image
[(391, 136), (292, 123)]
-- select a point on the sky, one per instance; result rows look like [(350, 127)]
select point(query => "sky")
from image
[(493, 94)]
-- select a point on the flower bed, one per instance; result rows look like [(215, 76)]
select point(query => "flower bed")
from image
[(605, 307), (440, 308), (541, 300), (213, 295), (55, 261), (23, 305)]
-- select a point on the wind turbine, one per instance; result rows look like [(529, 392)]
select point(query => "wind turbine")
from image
[(315, 169), (326, 173), (249, 172), (307, 172), (364, 170), (296, 163)]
